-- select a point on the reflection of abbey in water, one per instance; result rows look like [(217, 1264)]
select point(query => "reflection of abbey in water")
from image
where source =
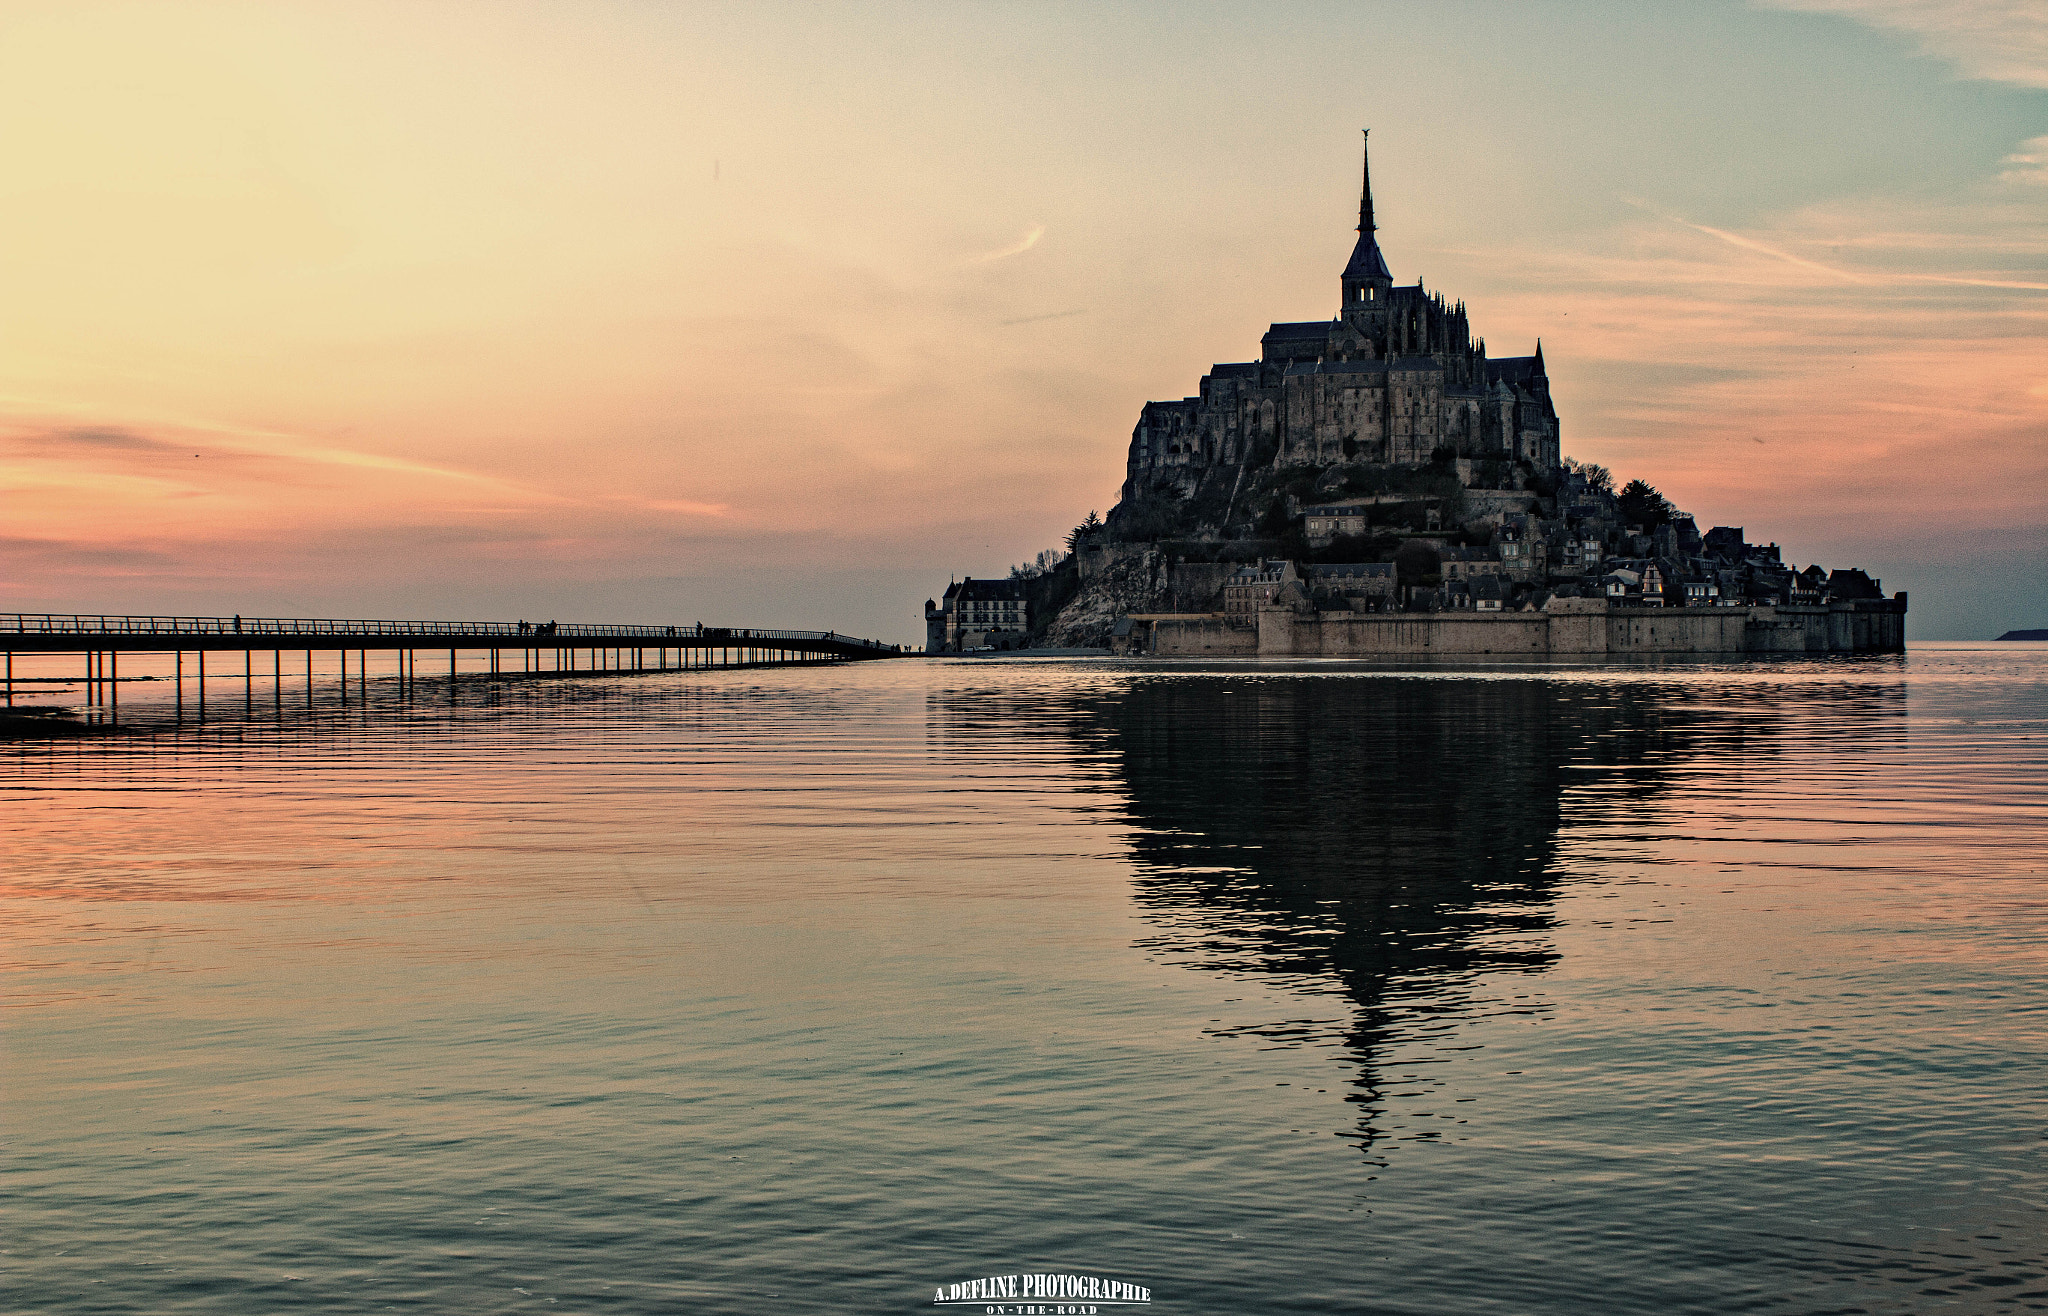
[(1388, 839), (1352, 831)]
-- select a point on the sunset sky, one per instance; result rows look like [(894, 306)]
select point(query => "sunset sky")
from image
[(785, 314)]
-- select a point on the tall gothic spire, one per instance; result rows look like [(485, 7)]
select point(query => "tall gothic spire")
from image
[(1367, 282), (1365, 221)]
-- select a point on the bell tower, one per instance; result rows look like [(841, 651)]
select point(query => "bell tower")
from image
[(1367, 281)]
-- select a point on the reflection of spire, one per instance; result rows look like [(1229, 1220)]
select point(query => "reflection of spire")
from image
[(1365, 222), (1397, 853), (1411, 881)]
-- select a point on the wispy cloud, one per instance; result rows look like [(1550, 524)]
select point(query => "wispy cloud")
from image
[(1850, 344), (1764, 248), (1034, 319), (1017, 248), (1747, 243), (1995, 40), (33, 424), (2029, 164), (683, 505)]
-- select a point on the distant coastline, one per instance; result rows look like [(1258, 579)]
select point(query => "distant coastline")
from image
[(2025, 635)]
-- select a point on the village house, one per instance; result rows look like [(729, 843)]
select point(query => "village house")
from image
[(1653, 584), (1464, 563), (1326, 521), (978, 614), (1523, 555), (1701, 591), (1360, 586), (1726, 541), (1257, 585)]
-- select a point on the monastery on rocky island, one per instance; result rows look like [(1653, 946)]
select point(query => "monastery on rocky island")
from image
[(1376, 486), (1394, 378)]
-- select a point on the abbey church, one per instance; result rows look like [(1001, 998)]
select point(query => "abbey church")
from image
[(1396, 378)]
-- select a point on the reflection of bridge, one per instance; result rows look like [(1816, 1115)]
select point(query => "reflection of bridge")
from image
[(541, 649)]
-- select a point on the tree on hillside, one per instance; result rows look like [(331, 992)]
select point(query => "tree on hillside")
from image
[(1642, 505), (1598, 478), (1047, 561), (1085, 530)]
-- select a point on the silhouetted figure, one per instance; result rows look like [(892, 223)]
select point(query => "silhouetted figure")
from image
[(238, 623)]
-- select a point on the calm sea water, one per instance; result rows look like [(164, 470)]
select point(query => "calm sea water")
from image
[(1274, 988)]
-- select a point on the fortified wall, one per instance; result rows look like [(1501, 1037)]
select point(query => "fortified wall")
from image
[(1566, 628)]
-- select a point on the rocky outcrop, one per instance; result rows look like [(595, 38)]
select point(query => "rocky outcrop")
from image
[(1115, 585)]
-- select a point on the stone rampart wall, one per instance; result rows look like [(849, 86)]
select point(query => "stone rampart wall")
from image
[(1203, 637), (1582, 628)]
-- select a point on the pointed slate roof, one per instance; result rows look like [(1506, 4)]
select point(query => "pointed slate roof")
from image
[(1512, 369), (1367, 263)]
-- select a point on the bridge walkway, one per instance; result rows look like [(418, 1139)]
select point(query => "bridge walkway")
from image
[(511, 649)]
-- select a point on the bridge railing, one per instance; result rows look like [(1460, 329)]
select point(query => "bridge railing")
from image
[(54, 623)]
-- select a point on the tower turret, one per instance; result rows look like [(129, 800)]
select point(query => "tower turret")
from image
[(1367, 281)]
